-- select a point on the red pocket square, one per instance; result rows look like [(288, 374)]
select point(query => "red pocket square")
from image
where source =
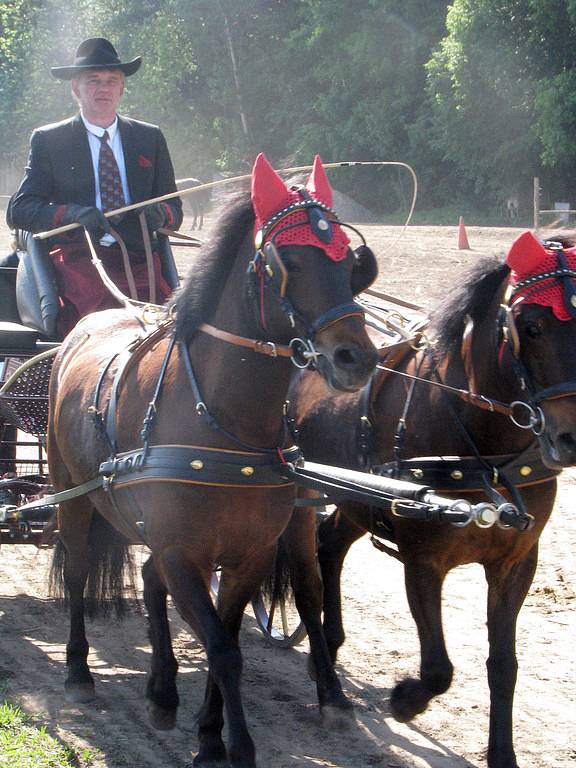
[(143, 162)]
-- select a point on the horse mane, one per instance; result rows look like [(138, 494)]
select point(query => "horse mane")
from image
[(471, 298), (198, 297)]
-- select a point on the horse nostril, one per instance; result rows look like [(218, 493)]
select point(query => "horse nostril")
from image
[(354, 357), (346, 357), (567, 443)]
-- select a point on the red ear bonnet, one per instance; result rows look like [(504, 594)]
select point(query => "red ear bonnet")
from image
[(269, 193), (318, 184), (270, 196), (528, 258)]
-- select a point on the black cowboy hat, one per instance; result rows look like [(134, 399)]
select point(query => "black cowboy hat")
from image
[(95, 53)]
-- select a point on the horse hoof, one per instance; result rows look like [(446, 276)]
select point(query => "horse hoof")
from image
[(160, 718), (409, 698), (201, 762), (79, 693), (338, 718)]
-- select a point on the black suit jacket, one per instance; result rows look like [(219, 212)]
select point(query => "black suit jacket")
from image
[(60, 171)]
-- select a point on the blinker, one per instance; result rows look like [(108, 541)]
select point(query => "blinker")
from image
[(275, 268), (568, 286)]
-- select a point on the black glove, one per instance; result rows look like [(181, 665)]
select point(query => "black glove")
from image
[(91, 218), (156, 216)]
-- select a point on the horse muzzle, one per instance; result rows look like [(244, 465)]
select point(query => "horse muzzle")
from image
[(558, 439), (346, 365)]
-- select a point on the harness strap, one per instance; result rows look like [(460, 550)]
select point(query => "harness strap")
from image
[(149, 258), (126, 264), (138, 345), (334, 315), (263, 347), (70, 493), (183, 464), (197, 465)]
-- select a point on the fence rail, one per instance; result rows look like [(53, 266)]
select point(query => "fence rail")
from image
[(560, 212)]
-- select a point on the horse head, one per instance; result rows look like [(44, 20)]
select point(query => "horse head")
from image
[(539, 329), (304, 276)]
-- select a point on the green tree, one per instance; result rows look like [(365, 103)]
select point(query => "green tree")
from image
[(500, 91)]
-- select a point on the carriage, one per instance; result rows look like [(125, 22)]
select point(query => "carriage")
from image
[(341, 356)]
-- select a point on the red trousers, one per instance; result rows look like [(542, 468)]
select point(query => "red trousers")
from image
[(82, 291)]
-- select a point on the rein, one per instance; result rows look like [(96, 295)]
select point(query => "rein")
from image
[(511, 410)]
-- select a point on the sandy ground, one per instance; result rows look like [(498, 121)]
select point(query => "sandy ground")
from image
[(381, 646)]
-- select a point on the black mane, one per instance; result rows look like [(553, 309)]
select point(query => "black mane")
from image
[(473, 295), (200, 293)]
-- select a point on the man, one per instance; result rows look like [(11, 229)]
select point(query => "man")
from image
[(89, 164)]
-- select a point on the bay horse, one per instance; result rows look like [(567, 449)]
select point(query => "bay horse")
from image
[(184, 427), (508, 332)]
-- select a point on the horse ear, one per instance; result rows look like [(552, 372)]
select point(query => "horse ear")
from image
[(318, 184), (269, 193), (526, 254), (364, 271)]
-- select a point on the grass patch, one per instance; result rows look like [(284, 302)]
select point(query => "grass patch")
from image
[(24, 744), (450, 215)]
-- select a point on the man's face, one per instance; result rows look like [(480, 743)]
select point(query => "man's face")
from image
[(99, 92)]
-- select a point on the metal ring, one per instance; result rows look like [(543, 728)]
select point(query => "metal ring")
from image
[(536, 420), (465, 508), (304, 354)]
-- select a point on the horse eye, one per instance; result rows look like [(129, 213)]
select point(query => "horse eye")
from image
[(292, 266), (533, 330)]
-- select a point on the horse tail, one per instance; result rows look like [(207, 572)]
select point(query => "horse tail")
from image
[(278, 584), (110, 585)]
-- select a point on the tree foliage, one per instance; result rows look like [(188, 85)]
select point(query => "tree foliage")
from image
[(477, 95)]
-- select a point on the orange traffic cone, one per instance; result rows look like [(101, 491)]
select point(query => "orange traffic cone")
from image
[(463, 243)]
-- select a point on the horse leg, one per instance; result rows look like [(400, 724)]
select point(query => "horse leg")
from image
[(336, 535), (410, 697), (300, 542), (507, 588), (189, 589), (74, 524), (161, 693)]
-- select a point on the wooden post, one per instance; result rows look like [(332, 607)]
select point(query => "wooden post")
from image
[(536, 204)]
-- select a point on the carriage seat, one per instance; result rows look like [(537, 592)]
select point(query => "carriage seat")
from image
[(36, 289), (17, 340)]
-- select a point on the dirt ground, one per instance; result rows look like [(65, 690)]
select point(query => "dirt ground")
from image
[(381, 646)]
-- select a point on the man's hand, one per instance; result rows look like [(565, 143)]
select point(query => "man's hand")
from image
[(91, 218), (157, 216)]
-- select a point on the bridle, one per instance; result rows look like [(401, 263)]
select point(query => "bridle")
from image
[(271, 273), (509, 337)]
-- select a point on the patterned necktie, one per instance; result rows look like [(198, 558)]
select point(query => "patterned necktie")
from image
[(111, 192)]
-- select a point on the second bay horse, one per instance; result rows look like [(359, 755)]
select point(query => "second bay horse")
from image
[(508, 333)]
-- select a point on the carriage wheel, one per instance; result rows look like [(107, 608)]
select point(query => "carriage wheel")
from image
[(279, 620)]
